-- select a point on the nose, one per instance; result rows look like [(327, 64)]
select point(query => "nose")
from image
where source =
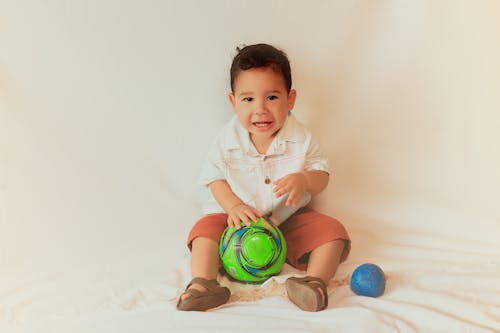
[(261, 107)]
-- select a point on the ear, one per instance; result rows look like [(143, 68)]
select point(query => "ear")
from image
[(232, 100), (292, 95)]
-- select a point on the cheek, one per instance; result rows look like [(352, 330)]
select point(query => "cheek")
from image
[(245, 119), (283, 114)]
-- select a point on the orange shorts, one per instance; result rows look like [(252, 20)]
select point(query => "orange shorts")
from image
[(303, 231)]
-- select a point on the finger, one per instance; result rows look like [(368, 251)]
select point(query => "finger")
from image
[(278, 181), (294, 197), (290, 199), (277, 185), (236, 222), (230, 222), (245, 220), (279, 188), (252, 214), (282, 191)]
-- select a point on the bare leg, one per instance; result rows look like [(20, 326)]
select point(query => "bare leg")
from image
[(325, 259), (204, 258), (204, 261)]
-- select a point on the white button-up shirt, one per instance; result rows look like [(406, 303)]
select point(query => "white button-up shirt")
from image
[(234, 158)]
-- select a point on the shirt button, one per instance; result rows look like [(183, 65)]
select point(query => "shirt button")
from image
[(267, 180)]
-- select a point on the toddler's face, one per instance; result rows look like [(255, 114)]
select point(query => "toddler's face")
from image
[(261, 102)]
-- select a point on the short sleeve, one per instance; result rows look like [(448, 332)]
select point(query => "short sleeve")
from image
[(213, 167), (315, 158)]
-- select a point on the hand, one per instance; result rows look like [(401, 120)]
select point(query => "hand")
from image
[(239, 213), (295, 184)]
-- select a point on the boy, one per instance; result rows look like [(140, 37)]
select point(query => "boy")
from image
[(265, 163)]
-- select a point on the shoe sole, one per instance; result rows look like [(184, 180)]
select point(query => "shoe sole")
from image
[(304, 296)]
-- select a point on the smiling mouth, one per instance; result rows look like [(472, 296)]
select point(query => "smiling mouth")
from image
[(263, 124)]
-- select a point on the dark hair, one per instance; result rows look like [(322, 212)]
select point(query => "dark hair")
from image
[(261, 55)]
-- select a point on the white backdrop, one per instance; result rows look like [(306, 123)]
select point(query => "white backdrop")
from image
[(107, 109)]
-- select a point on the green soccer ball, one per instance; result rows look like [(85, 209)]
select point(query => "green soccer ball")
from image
[(253, 254)]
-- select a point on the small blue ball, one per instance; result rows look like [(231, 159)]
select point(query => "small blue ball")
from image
[(368, 280)]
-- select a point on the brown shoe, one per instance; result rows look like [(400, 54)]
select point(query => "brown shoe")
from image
[(212, 297), (305, 293)]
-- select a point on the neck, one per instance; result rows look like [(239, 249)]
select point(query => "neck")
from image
[(262, 145)]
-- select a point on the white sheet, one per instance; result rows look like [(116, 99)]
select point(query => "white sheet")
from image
[(429, 289), (108, 107)]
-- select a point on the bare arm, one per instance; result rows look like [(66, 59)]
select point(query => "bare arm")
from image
[(316, 181), (236, 209)]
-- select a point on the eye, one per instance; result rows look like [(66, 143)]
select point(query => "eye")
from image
[(247, 99), (272, 97)]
